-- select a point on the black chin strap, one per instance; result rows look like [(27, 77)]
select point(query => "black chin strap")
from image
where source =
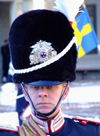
[(37, 113)]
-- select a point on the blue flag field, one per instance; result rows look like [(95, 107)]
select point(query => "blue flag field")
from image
[(84, 33)]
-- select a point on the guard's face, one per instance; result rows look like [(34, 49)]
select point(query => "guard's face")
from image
[(45, 98)]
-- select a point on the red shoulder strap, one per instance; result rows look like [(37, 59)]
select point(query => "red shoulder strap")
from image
[(85, 121)]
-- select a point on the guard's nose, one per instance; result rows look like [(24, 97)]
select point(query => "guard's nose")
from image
[(42, 92)]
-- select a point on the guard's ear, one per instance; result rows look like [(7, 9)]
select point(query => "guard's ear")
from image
[(66, 93), (26, 98)]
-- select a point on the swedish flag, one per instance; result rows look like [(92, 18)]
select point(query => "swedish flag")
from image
[(84, 33)]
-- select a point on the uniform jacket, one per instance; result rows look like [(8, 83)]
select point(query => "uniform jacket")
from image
[(58, 126)]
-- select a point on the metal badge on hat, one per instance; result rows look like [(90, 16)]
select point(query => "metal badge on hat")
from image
[(50, 56), (42, 51)]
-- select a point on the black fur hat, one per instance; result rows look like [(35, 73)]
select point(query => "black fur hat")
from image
[(42, 47)]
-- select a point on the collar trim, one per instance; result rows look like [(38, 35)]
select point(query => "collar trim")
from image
[(55, 124)]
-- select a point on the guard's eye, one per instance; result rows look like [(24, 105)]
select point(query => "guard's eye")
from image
[(32, 87), (50, 87), (36, 88)]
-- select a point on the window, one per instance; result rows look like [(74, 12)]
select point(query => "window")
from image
[(92, 13)]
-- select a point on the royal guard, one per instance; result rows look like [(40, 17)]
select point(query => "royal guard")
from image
[(43, 53)]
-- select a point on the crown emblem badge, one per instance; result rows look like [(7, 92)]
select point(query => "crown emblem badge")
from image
[(42, 51)]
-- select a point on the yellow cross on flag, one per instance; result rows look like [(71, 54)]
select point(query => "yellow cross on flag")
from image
[(84, 33)]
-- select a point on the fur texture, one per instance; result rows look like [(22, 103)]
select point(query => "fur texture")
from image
[(49, 26)]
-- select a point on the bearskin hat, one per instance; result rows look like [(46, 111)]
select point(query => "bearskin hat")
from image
[(42, 47)]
